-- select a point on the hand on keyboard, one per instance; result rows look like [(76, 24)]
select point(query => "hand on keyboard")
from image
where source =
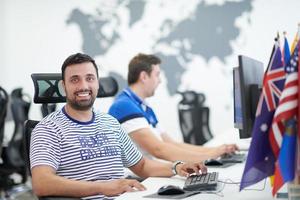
[(185, 169)]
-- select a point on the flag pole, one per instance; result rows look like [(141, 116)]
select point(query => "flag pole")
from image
[(273, 50)]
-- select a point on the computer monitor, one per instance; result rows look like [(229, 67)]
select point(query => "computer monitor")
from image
[(247, 84)]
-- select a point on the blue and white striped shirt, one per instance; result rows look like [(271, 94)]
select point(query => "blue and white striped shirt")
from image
[(91, 151)]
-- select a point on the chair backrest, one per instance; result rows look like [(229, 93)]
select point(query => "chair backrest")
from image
[(29, 126), (20, 104), (3, 110), (194, 118), (46, 109), (206, 132)]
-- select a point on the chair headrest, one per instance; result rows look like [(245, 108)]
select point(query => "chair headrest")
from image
[(48, 88), (192, 98)]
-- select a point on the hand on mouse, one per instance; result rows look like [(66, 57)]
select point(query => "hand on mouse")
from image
[(185, 169), (227, 148)]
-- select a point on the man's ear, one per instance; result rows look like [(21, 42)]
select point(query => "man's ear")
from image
[(143, 76)]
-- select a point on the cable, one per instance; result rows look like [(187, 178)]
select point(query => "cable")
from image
[(258, 189), (229, 181), (217, 192)]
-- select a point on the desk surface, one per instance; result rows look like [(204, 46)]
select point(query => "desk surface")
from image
[(259, 191), (229, 191)]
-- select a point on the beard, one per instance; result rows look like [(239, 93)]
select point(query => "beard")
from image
[(81, 105)]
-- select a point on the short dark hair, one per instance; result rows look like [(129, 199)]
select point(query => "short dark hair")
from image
[(140, 63), (77, 59)]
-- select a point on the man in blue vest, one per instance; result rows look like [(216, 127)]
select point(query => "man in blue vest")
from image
[(140, 122)]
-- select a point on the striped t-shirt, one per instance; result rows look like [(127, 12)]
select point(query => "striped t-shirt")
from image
[(91, 151)]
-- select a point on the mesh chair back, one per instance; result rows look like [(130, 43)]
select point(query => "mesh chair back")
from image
[(29, 126), (194, 118), (20, 105)]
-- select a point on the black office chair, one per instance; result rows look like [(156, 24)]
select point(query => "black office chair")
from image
[(4, 181), (3, 111), (13, 154), (194, 118), (48, 89), (20, 105)]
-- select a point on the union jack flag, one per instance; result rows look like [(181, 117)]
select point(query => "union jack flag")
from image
[(277, 129), (272, 83)]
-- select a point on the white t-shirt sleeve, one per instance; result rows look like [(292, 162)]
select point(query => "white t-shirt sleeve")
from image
[(135, 124)]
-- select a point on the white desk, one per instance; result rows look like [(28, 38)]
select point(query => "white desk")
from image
[(229, 192)]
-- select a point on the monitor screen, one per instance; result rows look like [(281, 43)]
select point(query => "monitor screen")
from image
[(237, 101), (248, 79)]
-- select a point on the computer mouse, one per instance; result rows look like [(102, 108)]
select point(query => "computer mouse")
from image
[(170, 190), (213, 162)]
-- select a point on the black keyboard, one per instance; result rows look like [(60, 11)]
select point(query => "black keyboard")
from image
[(202, 182), (233, 158)]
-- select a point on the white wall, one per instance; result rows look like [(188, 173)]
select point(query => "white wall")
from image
[(35, 38)]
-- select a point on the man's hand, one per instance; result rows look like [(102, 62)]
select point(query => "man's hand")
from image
[(116, 187), (228, 148), (185, 169)]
